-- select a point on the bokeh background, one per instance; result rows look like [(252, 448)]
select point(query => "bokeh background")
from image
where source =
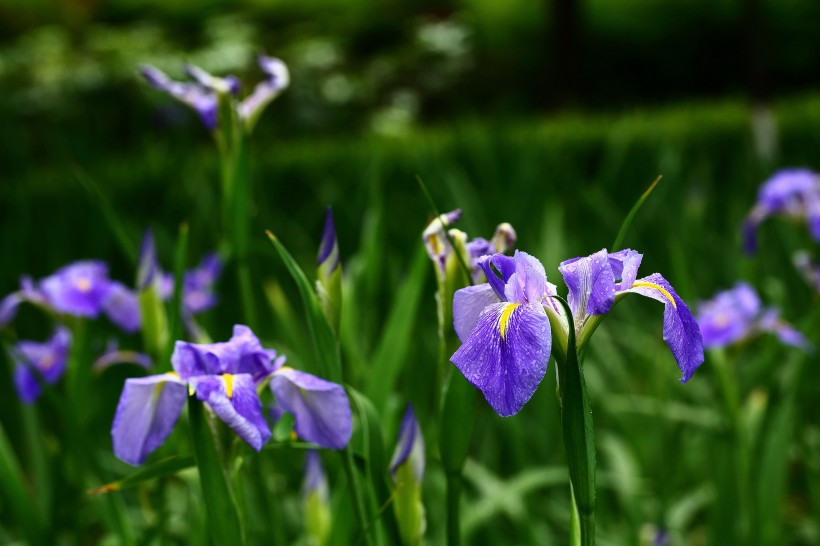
[(553, 115)]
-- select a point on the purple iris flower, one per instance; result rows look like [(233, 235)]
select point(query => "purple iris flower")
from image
[(504, 330), (598, 281), (794, 193), (737, 314), (197, 286), (114, 355), (81, 289), (44, 359), (203, 94), (226, 376), (223, 375)]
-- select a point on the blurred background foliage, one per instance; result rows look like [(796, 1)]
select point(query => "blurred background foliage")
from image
[(477, 98)]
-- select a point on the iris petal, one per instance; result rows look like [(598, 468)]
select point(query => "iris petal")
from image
[(680, 329), (468, 303), (591, 284), (146, 414), (506, 354), (321, 409), (233, 399)]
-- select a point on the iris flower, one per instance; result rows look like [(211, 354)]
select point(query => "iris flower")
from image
[(316, 500), (44, 359), (225, 376), (793, 193), (504, 324), (735, 315), (204, 92), (80, 289)]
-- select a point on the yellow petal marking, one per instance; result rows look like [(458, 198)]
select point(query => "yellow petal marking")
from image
[(228, 384), (657, 287), (83, 285), (505, 318)]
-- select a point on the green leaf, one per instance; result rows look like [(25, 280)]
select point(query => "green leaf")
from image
[(631, 215), (579, 439), (321, 333), (175, 321), (111, 216), (160, 469), (17, 500), (396, 336), (458, 413), (220, 504)]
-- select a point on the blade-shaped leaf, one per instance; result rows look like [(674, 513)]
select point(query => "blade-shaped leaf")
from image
[(160, 469)]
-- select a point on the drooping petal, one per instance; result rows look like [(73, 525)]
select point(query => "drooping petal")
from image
[(410, 446), (321, 409), (233, 399), (468, 303), (591, 284), (529, 282), (80, 288), (115, 356), (506, 354), (680, 329), (25, 383), (8, 308), (123, 308), (146, 414)]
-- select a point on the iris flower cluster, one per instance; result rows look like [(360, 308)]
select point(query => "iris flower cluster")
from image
[(505, 325), (204, 92), (227, 376), (736, 315), (791, 193)]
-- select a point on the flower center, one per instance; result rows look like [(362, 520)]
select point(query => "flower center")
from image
[(505, 318), (83, 285), (228, 384)]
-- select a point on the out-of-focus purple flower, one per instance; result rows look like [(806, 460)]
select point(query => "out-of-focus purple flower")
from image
[(148, 270), (320, 409), (504, 330), (197, 286), (277, 78), (223, 375), (793, 193), (596, 281), (329, 273), (737, 314), (204, 93), (44, 359), (81, 288), (202, 99)]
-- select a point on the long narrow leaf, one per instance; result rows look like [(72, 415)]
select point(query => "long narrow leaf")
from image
[(631, 215), (579, 440), (220, 505), (324, 341), (392, 351), (17, 499), (160, 469)]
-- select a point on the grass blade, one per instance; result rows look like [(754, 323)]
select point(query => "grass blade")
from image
[(616, 244), (166, 467)]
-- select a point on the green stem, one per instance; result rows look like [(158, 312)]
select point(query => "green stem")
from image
[(740, 444), (454, 483), (356, 494)]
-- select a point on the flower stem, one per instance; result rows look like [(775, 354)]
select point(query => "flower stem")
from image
[(356, 493), (454, 482)]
